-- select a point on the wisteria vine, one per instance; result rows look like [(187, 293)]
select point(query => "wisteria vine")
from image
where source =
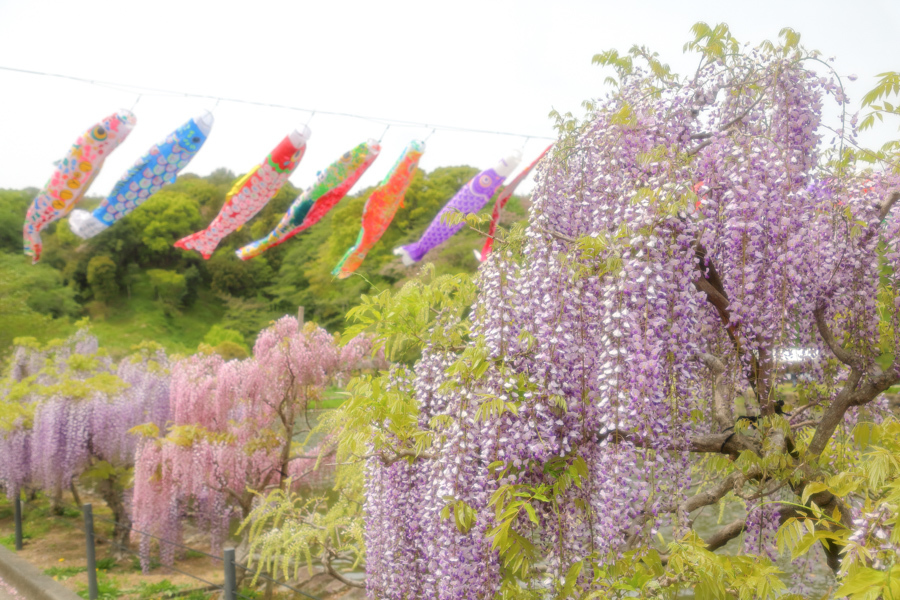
[(681, 242)]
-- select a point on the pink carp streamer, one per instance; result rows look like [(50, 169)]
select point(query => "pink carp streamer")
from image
[(250, 194), (380, 209), (503, 197), (73, 176), (468, 200)]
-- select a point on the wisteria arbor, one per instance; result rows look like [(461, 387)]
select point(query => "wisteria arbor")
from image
[(67, 414), (625, 362), (232, 434)]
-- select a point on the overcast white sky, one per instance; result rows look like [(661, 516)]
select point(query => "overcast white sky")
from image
[(483, 64)]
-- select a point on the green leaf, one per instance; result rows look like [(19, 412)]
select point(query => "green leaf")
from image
[(861, 579), (813, 488)]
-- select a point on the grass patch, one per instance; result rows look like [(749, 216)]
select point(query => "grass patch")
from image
[(332, 397), (136, 563), (9, 541), (131, 321), (63, 573), (107, 588), (160, 589)]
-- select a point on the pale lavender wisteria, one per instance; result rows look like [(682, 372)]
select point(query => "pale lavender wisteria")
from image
[(73, 427), (680, 240)]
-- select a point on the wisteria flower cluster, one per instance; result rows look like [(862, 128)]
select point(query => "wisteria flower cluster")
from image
[(76, 409), (231, 433), (680, 243)]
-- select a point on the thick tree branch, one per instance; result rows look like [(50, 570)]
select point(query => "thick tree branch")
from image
[(888, 204), (326, 561), (729, 443), (850, 359), (710, 283), (724, 127), (721, 414), (861, 387), (725, 534), (734, 480)]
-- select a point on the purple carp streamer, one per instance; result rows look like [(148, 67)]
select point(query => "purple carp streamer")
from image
[(468, 200)]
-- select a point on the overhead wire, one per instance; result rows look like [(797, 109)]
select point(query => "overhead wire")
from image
[(146, 90)]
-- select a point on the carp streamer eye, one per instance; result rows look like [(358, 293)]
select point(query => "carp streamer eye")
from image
[(195, 139), (99, 133)]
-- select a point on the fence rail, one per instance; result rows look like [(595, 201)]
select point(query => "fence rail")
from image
[(229, 563)]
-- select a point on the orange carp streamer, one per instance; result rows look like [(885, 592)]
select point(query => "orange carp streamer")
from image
[(380, 209)]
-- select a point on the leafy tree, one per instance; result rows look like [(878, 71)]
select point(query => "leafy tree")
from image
[(164, 218), (101, 276), (558, 424), (192, 283), (170, 288), (219, 335), (246, 316), (33, 301), (234, 277), (13, 206)]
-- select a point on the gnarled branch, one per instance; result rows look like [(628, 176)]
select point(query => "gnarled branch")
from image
[(725, 534), (851, 359)]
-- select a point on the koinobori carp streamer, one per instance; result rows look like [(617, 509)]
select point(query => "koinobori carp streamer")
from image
[(380, 208), (159, 167), (500, 201), (250, 194), (470, 199), (330, 186), (73, 176)]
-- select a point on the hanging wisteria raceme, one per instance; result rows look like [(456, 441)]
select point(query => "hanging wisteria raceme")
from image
[(231, 433), (40, 365), (679, 244), (15, 468)]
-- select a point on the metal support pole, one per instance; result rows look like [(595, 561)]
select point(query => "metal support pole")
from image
[(18, 512), (230, 579), (91, 559)]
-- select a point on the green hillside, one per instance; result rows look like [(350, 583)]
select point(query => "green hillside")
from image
[(133, 285)]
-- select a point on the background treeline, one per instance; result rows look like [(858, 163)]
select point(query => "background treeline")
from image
[(134, 285)]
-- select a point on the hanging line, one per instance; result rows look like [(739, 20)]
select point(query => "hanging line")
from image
[(525, 142), (157, 91), (311, 115), (216, 105), (136, 102), (429, 135), (384, 132)]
